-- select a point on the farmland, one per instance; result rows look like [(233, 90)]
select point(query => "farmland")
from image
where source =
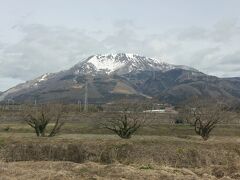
[(85, 150)]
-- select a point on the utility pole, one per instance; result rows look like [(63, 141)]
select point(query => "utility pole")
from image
[(79, 105), (8, 103), (207, 81), (86, 97)]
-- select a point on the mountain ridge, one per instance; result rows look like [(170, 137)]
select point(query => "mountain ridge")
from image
[(112, 77), (125, 63)]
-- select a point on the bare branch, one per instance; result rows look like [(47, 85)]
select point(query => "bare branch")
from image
[(204, 115), (39, 117), (125, 123)]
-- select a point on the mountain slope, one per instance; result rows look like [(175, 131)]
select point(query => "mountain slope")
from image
[(115, 76)]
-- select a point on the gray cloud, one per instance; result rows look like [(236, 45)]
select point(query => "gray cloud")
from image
[(232, 59), (193, 33), (45, 49), (124, 23), (226, 30), (48, 49)]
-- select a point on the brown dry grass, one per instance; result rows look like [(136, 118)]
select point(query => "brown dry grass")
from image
[(186, 151), (68, 170), (108, 157), (160, 151)]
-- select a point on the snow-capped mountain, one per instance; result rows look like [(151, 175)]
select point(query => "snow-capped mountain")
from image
[(33, 84), (112, 77), (123, 63)]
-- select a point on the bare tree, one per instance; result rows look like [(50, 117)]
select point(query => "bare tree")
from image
[(125, 123), (204, 116), (40, 117)]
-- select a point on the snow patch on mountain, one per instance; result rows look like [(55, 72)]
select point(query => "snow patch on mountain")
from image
[(110, 64), (43, 77), (124, 63), (27, 85)]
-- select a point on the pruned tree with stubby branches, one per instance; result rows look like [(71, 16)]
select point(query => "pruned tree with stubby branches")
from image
[(39, 118), (124, 123), (204, 116)]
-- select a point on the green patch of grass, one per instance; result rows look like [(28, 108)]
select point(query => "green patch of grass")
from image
[(146, 167)]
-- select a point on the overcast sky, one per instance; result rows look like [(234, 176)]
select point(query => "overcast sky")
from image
[(37, 37)]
